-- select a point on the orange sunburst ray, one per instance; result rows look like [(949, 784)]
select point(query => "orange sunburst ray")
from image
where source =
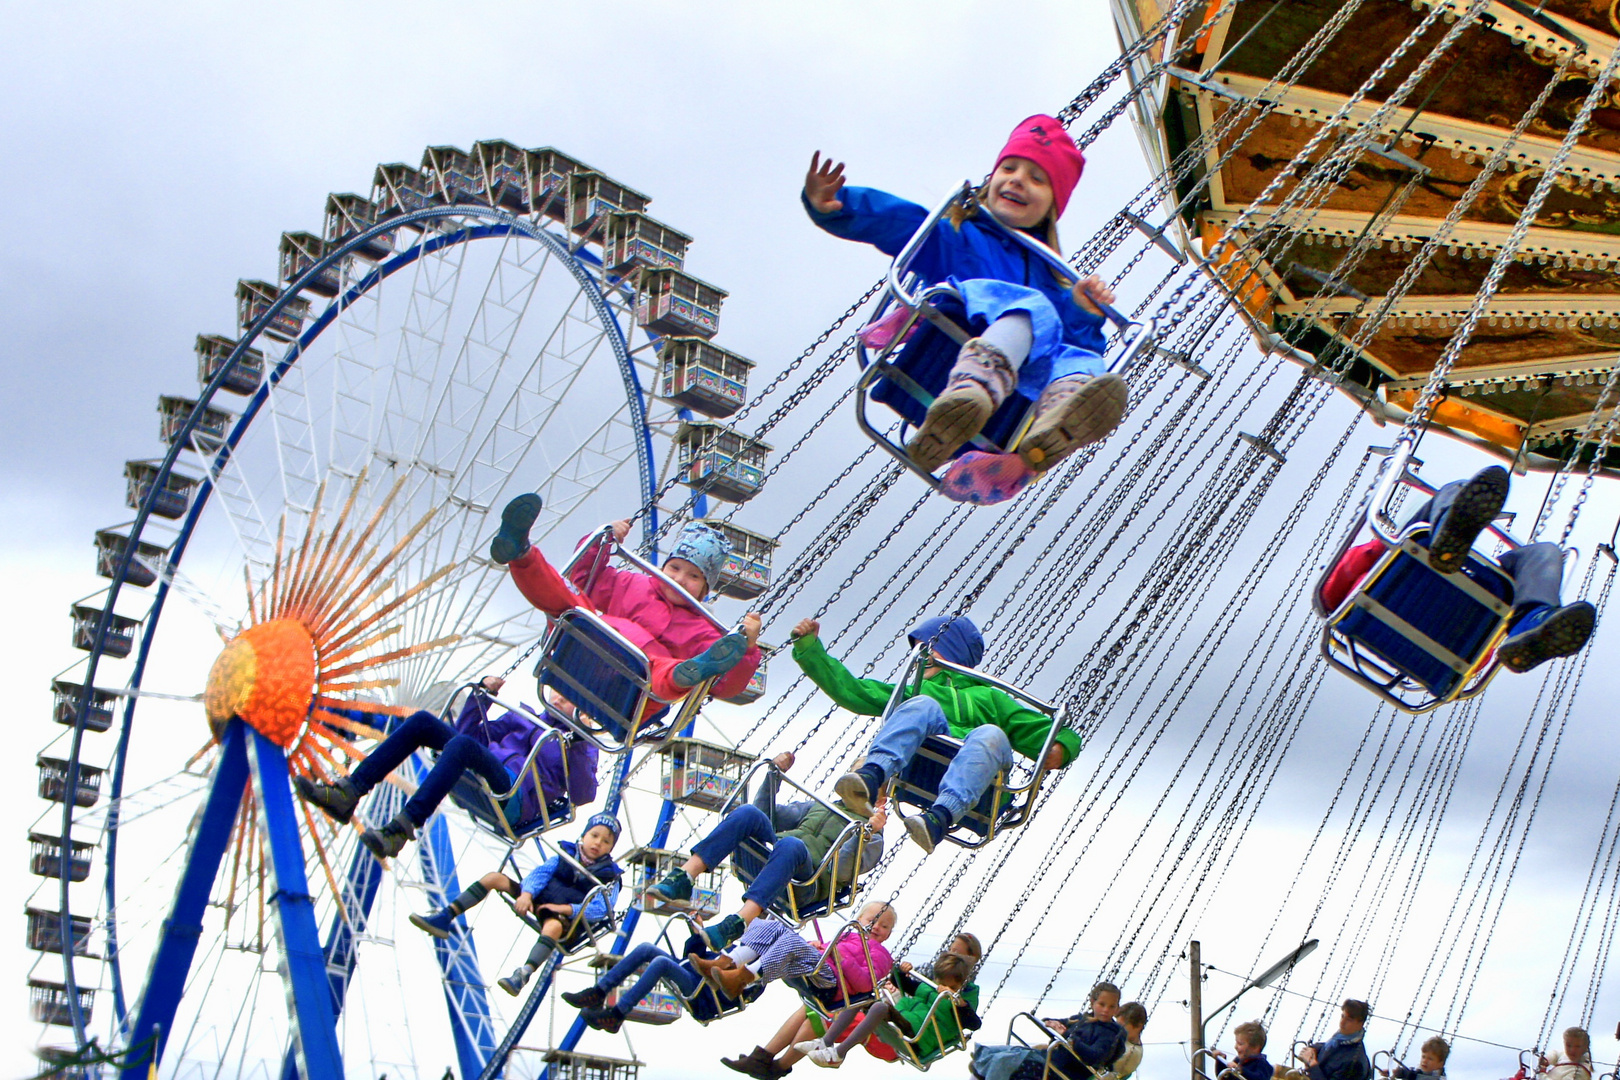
[(323, 701), (330, 655), (329, 719), (360, 684), (394, 604), (389, 657), (296, 581), (271, 609), (326, 865), (382, 565)]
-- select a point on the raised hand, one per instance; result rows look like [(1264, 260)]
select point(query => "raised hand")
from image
[(621, 529), (750, 628), (806, 628), (822, 184)]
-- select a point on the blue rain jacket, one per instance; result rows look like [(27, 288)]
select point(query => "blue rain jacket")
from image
[(995, 274), (556, 881)]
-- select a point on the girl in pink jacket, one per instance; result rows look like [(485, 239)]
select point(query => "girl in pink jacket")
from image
[(682, 647), (770, 949)]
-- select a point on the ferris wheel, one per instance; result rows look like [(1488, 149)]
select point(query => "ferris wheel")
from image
[(488, 324)]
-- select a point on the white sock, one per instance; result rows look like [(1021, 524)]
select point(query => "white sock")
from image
[(742, 955), (1013, 335)]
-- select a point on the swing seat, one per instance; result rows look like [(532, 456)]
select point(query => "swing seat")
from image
[(907, 379), (918, 786), (907, 349), (707, 1004), (1416, 637), (1005, 804), (832, 885), (500, 813), (824, 892), (604, 676)]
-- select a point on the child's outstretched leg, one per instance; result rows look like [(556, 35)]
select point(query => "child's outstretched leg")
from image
[(592, 1001), (439, 923), (550, 931), (985, 752), (512, 540), (985, 372), (535, 578)]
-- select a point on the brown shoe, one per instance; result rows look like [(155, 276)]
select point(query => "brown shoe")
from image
[(979, 382), (706, 964), (732, 980), (1072, 413), (761, 1063)]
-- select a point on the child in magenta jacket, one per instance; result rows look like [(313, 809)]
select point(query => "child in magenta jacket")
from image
[(1037, 336), (682, 647)]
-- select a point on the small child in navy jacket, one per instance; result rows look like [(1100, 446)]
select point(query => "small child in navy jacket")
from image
[(1248, 1059), (1431, 1063)]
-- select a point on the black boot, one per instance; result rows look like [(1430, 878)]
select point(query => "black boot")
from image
[(1475, 507), (391, 839), (513, 538), (337, 801)]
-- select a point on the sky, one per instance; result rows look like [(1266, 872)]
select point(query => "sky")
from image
[(157, 151)]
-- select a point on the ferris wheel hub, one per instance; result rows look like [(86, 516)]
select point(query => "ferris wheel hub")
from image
[(265, 675)]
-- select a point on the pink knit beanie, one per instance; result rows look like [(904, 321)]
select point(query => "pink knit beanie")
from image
[(1042, 140)]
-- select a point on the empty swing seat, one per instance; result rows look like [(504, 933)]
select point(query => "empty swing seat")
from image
[(602, 674), (1409, 630)]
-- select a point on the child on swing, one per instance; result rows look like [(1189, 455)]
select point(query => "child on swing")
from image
[(682, 647), (553, 892), (1037, 337)]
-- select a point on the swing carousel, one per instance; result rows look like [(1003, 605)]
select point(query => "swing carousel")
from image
[(1338, 223)]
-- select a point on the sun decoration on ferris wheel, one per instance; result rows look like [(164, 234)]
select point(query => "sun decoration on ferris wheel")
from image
[(294, 673)]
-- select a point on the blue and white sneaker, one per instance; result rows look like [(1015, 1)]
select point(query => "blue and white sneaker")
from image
[(1547, 633), (712, 662)]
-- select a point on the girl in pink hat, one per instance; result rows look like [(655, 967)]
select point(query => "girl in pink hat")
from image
[(1037, 338)]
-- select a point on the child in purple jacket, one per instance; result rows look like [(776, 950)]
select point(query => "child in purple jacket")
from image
[(496, 749)]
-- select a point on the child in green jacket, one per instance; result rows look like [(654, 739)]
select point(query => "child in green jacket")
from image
[(990, 723)]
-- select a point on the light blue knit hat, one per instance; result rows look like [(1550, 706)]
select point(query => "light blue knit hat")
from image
[(706, 548)]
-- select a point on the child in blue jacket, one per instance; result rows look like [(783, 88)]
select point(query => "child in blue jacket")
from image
[(1036, 336), (553, 892)]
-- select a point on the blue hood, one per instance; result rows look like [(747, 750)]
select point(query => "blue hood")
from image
[(952, 636)]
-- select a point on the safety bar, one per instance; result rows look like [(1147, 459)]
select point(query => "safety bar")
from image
[(603, 537), (1052, 1039), (922, 659), (1394, 473), (694, 929), (603, 889), (1534, 1064), (1222, 1068), (854, 825), (827, 951), (949, 998), (548, 734), (1391, 1062)]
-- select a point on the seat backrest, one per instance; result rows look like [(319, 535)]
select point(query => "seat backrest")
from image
[(1434, 628), (918, 783), (602, 674)]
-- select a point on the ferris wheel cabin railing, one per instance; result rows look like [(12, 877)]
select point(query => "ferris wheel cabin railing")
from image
[(1413, 636), (1011, 796), (833, 884), (905, 376)]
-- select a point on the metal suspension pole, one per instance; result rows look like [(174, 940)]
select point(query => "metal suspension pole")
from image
[(1195, 1005)]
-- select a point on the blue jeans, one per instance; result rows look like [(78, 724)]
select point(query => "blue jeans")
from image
[(457, 754), (1001, 1062), (660, 965), (1537, 569), (789, 857), (985, 752)]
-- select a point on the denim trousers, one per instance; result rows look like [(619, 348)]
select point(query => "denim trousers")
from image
[(985, 752)]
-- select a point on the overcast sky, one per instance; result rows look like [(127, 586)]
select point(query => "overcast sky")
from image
[(156, 152)]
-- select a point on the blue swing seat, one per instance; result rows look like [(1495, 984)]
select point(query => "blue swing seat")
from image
[(918, 785), (603, 675), (1417, 637)]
